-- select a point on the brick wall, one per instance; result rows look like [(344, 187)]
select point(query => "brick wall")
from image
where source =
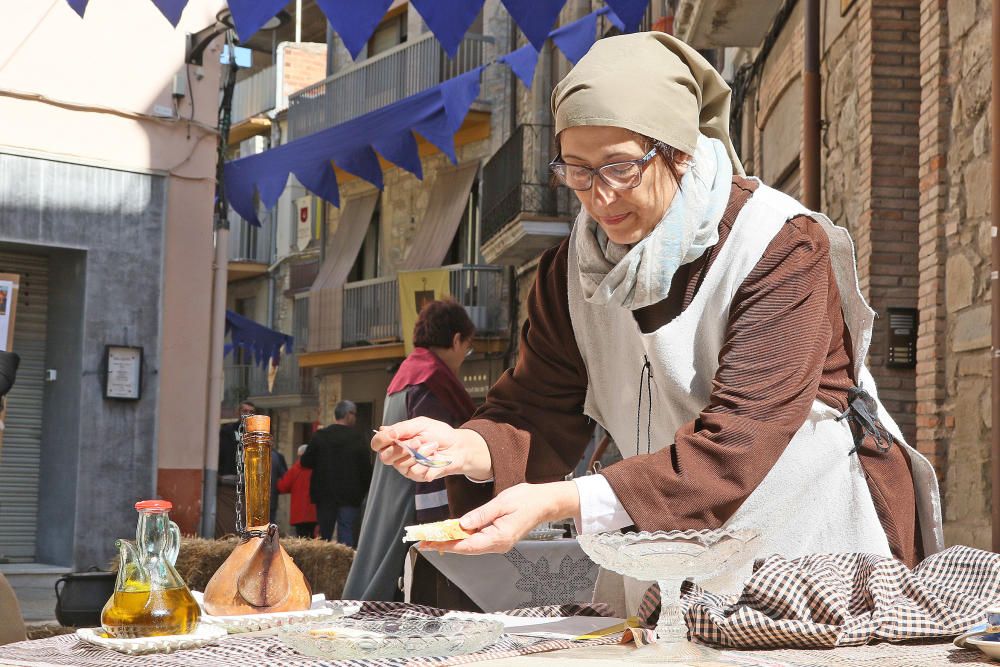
[(304, 65), (888, 70), (933, 424)]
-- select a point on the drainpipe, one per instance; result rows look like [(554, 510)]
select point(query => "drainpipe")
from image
[(994, 280), (215, 379), (811, 109)]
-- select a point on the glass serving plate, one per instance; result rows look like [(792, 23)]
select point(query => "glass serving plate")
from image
[(669, 558), (391, 638)]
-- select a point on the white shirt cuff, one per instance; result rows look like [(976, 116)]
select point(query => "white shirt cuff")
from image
[(479, 481), (600, 510)]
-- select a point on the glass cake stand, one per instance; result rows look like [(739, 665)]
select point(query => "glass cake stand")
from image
[(669, 558)]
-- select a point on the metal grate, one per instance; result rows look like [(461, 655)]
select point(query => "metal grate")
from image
[(516, 180), (255, 94)]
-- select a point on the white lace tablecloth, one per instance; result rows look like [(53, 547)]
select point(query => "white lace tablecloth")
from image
[(534, 573)]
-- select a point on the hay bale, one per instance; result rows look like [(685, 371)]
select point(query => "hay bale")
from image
[(324, 564)]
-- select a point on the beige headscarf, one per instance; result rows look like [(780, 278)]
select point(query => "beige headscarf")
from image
[(651, 83)]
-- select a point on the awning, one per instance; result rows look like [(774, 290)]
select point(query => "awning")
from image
[(435, 114), (327, 292), (449, 195), (262, 343)]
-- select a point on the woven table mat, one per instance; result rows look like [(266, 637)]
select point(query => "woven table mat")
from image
[(245, 650), (875, 655)]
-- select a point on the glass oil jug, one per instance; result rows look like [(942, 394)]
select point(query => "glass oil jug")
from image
[(150, 598)]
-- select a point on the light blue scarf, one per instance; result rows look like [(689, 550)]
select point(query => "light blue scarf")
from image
[(639, 275)]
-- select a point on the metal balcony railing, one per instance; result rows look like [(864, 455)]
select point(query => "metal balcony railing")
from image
[(516, 180), (248, 243), (255, 94), (371, 312), (388, 77), (371, 307), (244, 381)]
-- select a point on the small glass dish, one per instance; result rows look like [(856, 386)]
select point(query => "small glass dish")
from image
[(359, 639), (669, 558)]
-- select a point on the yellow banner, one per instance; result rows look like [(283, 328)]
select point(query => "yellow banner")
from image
[(417, 288)]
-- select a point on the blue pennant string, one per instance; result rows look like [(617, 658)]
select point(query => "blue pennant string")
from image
[(171, 9), (265, 344), (522, 62), (575, 39), (250, 15), (535, 18), (448, 20), (630, 12), (354, 20)]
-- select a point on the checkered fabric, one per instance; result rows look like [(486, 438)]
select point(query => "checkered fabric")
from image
[(241, 650), (828, 600)]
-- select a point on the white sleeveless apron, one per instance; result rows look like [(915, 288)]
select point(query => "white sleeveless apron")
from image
[(815, 499)]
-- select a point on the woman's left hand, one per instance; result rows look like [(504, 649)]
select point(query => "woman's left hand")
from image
[(499, 524)]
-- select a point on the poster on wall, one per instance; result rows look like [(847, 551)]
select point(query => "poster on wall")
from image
[(417, 289), (124, 372)]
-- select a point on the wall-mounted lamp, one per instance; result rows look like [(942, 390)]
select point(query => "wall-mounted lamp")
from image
[(199, 41)]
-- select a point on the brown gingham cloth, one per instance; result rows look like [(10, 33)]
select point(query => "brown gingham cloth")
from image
[(252, 649), (828, 600)]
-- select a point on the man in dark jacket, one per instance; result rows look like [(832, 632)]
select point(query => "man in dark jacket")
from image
[(340, 460)]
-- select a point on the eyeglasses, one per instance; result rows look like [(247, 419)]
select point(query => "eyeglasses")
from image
[(468, 353), (618, 175)]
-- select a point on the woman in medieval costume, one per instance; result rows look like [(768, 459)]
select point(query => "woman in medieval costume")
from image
[(426, 385), (712, 323)]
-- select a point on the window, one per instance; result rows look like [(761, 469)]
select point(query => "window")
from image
[(465, 246), (300, 321), (367, 264), (246, 307)]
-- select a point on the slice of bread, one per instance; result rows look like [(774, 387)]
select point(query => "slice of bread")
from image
[(440, 531)]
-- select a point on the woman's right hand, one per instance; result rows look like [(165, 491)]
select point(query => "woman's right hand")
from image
[(464, 448)]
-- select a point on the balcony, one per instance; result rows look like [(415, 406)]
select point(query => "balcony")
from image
[(251, 249), (252, 97), (292, 385), (523, 213), (371, 307), (388, 77), (709, 24)]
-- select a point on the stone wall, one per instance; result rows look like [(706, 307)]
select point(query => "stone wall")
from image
[(966, 248)]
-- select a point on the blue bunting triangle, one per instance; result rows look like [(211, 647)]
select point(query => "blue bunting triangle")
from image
[(320, 180), (250, 15), (270, 188), (629, 11), (363, 163), (354, 20), (448, 20), (459, 93), (171, 9), (79, 6), (522, 62), (575, 39), (239, 189), (401, 149), (535, 18)]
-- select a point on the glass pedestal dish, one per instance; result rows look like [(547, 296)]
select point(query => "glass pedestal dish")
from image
[(669, 558)]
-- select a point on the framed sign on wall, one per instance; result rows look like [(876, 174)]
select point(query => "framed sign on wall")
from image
[(123, 372)]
